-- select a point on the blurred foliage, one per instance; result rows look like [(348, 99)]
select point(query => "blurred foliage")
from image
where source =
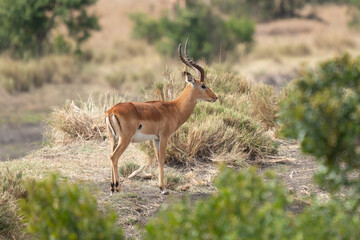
[(26, 25), (355, 14), (331, 220), (60, 45), (210, 34), (246, 207), (323, 112), (55, 209)]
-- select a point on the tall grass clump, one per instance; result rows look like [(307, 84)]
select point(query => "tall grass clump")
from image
[(11, 189), (84, 120), (55, 209), (230, 129)]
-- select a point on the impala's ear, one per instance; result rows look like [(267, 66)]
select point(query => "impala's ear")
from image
[(188, 77)]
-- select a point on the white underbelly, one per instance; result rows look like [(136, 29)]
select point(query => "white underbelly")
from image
[(141, 137)]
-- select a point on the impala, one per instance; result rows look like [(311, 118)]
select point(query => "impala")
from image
[(156, 120)]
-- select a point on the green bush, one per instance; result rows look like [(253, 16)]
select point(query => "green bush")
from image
[(322, 112), (55, 209), (332, 220), (246, 207), (210, 34)]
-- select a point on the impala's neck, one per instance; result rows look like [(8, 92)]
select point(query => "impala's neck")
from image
[(185, 104)]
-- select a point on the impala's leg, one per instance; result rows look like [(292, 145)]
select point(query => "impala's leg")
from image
[(119, 150), (161, 158), (156, 144), (112, 139)]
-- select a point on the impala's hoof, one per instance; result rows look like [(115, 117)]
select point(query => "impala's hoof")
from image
[(163, 191), (111, 188), (117, 186)]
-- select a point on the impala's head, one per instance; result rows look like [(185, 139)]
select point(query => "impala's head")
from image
[(198, 86)]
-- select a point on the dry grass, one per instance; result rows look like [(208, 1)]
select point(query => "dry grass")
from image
[(126, 168), (265, 104), (172, 179), (11, 189), (120, 79), (85, 121), (278, 50), (338, 43), (16, 75)]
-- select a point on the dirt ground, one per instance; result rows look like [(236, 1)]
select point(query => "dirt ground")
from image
[(18, 140), (139, 200)]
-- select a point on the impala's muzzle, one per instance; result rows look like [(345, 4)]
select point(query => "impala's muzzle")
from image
[(214, 99)]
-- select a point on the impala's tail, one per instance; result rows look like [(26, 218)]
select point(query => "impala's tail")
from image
[(113, 125)]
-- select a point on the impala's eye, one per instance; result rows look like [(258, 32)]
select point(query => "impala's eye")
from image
[(203, 86)]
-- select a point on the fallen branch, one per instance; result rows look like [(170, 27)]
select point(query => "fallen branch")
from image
[(137, 172), (276, 159)]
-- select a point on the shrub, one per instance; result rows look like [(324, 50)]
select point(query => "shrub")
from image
[(246, 207), (210, 35), (332, 220), (55, 209), (322, 112)]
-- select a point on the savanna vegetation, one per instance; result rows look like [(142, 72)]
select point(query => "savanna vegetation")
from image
[(26, 26), (210, 34), (60, 191)]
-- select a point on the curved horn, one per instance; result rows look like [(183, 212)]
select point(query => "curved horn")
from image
[(199, 69), (184, 61)]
